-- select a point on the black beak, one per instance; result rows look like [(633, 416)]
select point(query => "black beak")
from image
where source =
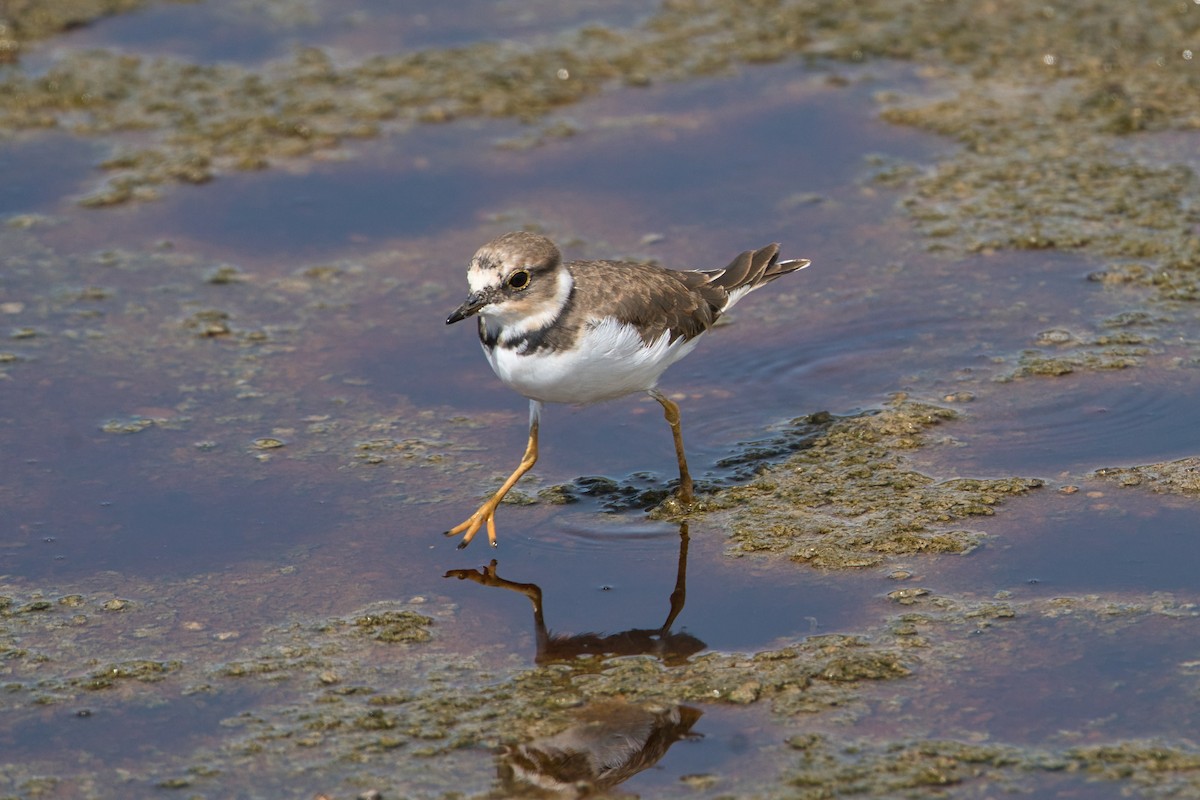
[(470, 306)]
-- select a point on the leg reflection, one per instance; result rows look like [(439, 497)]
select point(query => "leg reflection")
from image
[(671, 647)]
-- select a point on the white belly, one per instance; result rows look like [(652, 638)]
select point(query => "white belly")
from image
[(611, 361)]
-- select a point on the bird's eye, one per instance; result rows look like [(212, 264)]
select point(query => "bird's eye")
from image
[(519, 279)]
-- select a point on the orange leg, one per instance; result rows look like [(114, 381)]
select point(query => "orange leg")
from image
[(671, 412), (487, 511)]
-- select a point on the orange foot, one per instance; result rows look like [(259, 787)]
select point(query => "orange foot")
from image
[(486, 513)]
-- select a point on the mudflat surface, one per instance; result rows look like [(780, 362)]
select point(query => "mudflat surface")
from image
[(947, 534)]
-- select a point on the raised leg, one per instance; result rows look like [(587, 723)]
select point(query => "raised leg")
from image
[(671, 412), (487, 511)]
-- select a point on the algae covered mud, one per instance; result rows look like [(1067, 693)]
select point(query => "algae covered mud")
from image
[(947, 537)]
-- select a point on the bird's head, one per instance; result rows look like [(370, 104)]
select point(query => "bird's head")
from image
[(516, 280)]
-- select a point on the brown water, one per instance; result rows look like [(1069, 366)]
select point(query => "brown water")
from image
[(188, 513)]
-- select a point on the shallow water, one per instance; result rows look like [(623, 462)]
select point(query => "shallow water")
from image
[(136, 454), (1090, 421), (250, 33)]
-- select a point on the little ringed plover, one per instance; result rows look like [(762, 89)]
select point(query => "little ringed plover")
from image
[(586, 331)]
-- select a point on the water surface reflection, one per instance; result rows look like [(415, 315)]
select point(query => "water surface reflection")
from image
[(661, 642), (606, 744)]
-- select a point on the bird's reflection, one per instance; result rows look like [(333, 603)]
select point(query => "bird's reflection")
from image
[(608, 743), (672, 648)]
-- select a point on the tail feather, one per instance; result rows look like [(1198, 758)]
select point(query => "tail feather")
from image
[(750, 270)]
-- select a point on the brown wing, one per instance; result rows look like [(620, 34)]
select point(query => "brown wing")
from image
[(655, 299), (652, 298)]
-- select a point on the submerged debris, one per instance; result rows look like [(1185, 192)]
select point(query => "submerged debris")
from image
[(343, 705), (395, 626), (645, 490), (850, 500), (26, 20), (1173, 477)]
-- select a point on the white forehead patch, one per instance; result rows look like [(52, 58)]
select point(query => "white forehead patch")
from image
[(481, 277), (485, 271)]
